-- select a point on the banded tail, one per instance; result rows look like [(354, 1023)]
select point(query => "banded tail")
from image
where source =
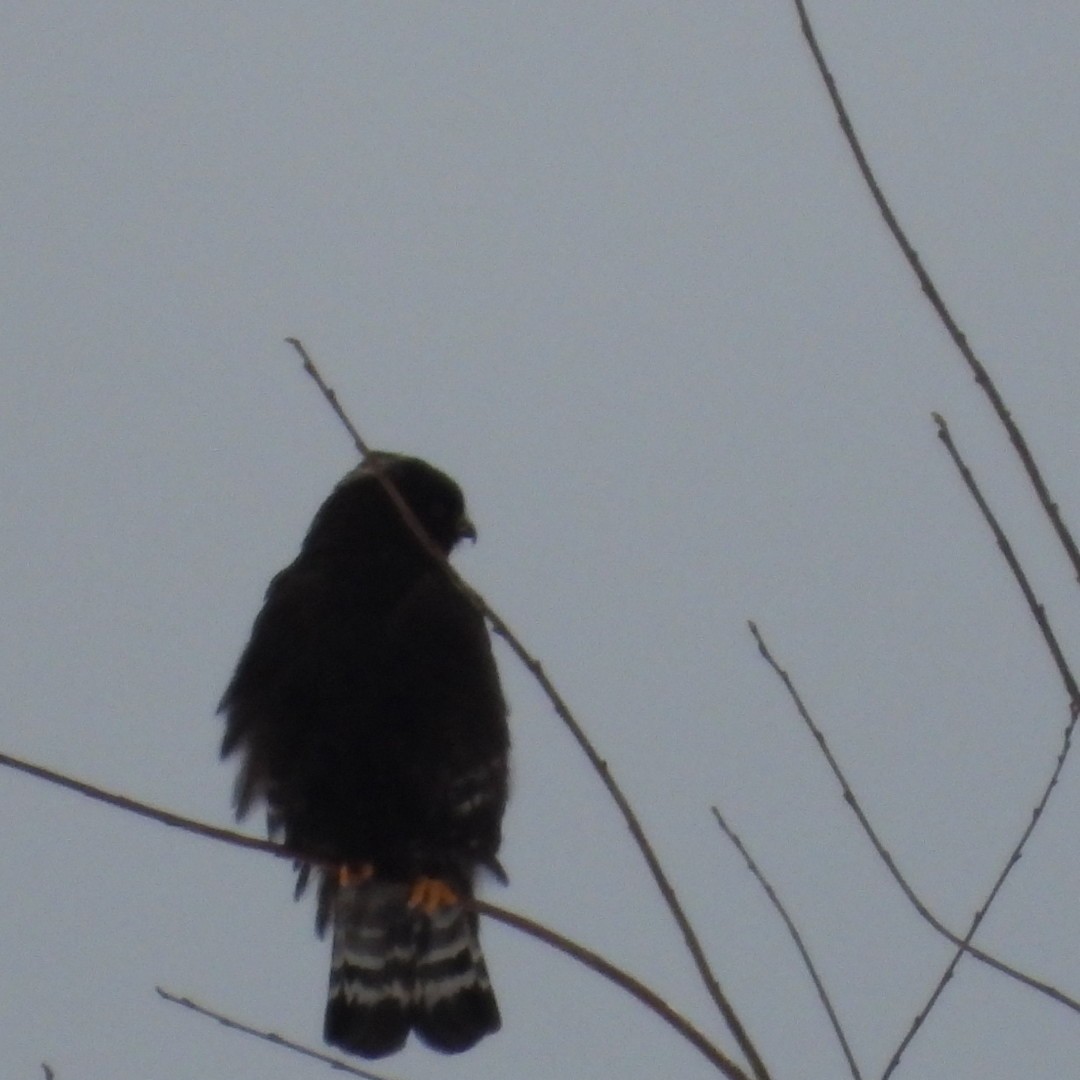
[(396, 969)]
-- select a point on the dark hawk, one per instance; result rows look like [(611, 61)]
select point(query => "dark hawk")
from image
[(368, 713)]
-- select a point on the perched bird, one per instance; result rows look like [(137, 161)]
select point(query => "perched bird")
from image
[(368, 714)]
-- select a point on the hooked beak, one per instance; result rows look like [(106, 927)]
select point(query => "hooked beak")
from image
[(466, 530)]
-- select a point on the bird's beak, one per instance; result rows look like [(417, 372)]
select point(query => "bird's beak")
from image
[(466, 530)]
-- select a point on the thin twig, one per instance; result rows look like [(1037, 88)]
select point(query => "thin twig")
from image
[(269, 1036), (793, 930), (882, 851), (49, 1074), (590, 959), (331, 396), (562, 710), (932, 294), (1038, 611)]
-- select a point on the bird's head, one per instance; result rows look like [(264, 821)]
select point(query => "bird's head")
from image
[(433, 497)]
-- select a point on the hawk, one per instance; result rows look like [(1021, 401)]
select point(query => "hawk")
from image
[(367, 711)]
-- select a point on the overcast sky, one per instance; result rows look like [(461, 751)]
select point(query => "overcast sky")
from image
[(611, 266)]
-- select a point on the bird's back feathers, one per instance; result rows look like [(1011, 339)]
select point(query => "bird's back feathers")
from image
[(368, 712)]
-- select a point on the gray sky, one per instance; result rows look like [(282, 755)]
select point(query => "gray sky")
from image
[(612, 268)]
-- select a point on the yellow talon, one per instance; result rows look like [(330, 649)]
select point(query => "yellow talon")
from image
[(430, 894), (356, 874)]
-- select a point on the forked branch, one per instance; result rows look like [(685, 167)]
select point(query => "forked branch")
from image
[(883, 852), (1038, 612), (528, 926)]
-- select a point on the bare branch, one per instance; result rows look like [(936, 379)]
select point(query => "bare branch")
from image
[(49, 1074), (269, 1036), (562, 710), (796, 937), (882, 851), (528, 926), (164, 817), (1027, 459), (930, 290), (1038, 611)]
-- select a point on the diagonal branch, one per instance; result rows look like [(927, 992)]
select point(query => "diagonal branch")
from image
[(882, 851), (795, 936), (631, 985), (1037, 610), (926, 283), (163, 817), (562, 710), (270, 1036), (528, 926)]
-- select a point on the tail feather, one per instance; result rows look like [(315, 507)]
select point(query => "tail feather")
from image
[(394, 969)]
